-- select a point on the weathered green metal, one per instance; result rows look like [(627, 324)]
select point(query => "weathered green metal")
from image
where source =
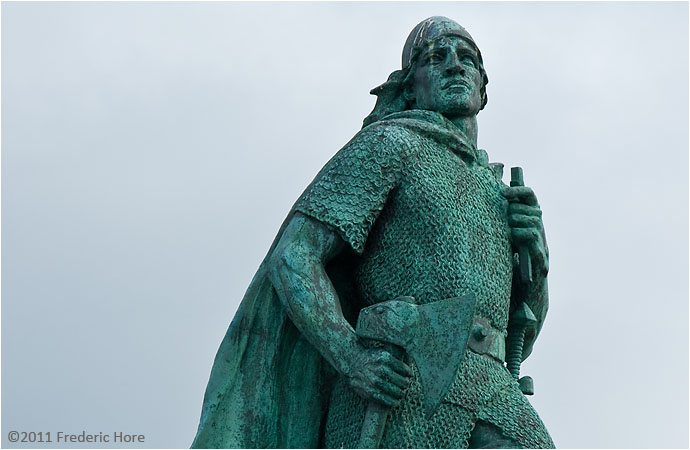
[(434, 335), (526, 384), (522, 319), (517, 179), (410, 207)]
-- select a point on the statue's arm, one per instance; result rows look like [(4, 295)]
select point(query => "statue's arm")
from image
[(297, 271)]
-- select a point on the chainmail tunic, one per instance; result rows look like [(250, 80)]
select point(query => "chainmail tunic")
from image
[(425, 214)]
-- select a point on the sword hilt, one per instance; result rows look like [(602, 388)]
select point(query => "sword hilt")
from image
[(520, 320), (517, 179), (514, 356)]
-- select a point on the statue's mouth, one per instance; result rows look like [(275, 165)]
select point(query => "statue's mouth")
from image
[(456, 84)]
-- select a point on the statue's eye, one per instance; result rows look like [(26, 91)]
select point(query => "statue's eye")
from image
[(436, 57), (468, 60)]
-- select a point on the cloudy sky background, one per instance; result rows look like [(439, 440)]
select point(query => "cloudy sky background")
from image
[(151, 150)]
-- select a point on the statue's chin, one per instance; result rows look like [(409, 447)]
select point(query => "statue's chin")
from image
[(464, 107), (460, 111)]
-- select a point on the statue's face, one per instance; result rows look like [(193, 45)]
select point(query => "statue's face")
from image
[(447, 78)]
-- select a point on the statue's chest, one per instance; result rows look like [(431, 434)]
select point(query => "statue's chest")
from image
[(446, 197), (442, 233)]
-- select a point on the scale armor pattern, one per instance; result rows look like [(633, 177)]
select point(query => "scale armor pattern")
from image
[(498, 401), (425, 214), (513, 414)]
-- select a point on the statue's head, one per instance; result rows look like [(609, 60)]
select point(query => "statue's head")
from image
[(442, 70)]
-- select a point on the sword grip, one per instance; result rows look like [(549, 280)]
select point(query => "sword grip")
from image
[(521, 319), (517, 179), (514, 356)]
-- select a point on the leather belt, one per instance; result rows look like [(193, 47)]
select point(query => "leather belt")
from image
[(487, 340)]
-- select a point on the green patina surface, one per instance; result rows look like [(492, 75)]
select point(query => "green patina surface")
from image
[(410, 209)]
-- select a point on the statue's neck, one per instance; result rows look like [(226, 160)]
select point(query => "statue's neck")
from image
[(468, 125)]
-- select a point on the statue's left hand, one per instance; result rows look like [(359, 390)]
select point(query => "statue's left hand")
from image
[(527, 228)]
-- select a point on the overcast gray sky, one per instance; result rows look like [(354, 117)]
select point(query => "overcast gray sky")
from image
[(151, 150)]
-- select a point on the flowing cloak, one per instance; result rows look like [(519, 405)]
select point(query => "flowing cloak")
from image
[(269, 387), (265, 385)]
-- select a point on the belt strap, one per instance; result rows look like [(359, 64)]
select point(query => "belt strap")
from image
[(487, 340)]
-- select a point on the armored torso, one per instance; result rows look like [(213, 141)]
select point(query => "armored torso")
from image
[(425, 214), (423, 209), (441, 233)]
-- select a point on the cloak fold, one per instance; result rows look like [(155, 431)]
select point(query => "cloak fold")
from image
[(265, 388)]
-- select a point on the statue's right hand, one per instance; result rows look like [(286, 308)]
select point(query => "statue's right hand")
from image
[(379, 376)]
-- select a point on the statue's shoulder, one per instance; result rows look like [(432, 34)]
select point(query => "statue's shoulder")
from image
[(397, 133), (383, 140), (389, 131)]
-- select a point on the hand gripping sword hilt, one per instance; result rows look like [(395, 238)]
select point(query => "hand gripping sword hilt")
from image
[(517, 179)]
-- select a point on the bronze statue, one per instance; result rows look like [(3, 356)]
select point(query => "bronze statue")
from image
[(404, 278)]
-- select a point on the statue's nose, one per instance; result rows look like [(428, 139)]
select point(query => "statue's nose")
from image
[(455, 70), (453, 64)]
